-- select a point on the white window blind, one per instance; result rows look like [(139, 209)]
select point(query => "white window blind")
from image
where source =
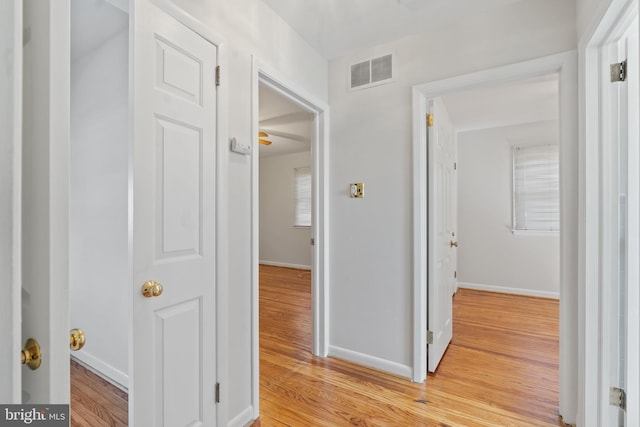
[(536, 188), (302, 197)]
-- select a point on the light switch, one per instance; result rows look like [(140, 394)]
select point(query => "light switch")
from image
[(240, 148), (357, 190)]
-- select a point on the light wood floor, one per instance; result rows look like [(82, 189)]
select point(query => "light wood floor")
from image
[(94, 401), (500, 370)]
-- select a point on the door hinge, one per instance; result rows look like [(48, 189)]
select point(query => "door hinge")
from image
[(618, 397), (619, 71), (217, 392), (429, 337), (429, 120), (455, 274), (313, 241), (455, 166), (217, 75)]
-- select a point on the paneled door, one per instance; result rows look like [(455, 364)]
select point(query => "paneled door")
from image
[(441, 236), (173, 223)]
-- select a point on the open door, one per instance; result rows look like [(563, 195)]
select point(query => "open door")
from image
[(10, 209), (173, 158), (441, 235), (45, 199)]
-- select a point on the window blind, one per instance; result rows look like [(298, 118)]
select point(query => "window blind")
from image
[(302, 197), (536, 188)]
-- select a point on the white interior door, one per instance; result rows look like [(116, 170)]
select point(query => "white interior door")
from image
[(620, 231), (441, 236), (45, 198), (173, 368), (10, 209)]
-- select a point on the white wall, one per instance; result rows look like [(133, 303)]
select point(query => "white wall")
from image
[(280, 242), (490, 256), (371, 142), (250, 29), (588, 13), (99, 282)]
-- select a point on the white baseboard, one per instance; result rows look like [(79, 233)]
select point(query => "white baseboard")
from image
[(507, 290), (287, 265), (243, 418), (371, 361), (102, 369)]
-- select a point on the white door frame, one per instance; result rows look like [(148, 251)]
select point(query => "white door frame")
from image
[(264, 74), (565, 65), (594, 329)]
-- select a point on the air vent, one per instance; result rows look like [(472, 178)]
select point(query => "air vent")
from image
[(371, 72)]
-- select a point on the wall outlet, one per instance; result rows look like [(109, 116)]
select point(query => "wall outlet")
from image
[(357, 190)]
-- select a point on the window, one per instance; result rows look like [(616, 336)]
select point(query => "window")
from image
[(302, 197), (536, 188)]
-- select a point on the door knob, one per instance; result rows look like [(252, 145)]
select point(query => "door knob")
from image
[(453, 244), (151, 289), (76, 339), (31, 355)]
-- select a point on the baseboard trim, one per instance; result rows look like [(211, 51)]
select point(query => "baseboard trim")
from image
[(102, 369), (287, 265), (507, 290), (371, 361), (242, 419)]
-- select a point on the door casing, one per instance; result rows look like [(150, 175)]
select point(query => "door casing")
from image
[(275, 80), (594, 327)]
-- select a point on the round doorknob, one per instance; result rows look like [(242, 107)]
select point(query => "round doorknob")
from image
[(77, 339), (31, 355), (151, 289), (453, 244)]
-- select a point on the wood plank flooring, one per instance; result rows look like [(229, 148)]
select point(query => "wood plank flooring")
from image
[(501, 368), (94, 401)]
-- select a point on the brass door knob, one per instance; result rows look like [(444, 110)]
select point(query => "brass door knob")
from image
[(453, 244), (151, 289), (31, 355), (76, 339)]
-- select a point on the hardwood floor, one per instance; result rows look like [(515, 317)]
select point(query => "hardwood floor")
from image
[(501, 368), (94, 401)]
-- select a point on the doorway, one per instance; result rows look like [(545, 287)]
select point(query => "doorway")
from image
[(494, 185), (305, 111), (564, 65), (98, 199)]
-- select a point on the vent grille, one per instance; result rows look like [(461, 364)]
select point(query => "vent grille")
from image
[(360, 74), (371, 72), (381, 69)]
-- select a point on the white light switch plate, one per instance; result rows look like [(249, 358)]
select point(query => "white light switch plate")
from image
[(240, 148)]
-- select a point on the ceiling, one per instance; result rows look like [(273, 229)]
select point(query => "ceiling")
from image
[(338, 27), (290, 127)]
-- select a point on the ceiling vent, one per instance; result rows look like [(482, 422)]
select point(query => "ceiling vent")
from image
[(372, 72)]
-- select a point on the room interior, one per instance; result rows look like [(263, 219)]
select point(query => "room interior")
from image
[(318, 62)]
